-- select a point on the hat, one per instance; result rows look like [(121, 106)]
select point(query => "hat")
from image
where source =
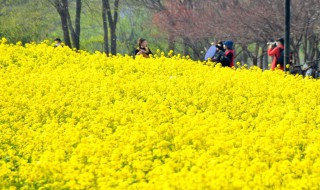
[(57, 39), (229, 44), (281, 40)]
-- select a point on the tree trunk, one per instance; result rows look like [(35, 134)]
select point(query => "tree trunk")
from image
[(65, 29), (305, 47), (113, 24), (64, 22), (260, 63), (265, 59), (186, 43), (113, 36), (77, 24), (171, 45), (62, 7), (105, 27), (74, 33), (244, 55), (256, 53)]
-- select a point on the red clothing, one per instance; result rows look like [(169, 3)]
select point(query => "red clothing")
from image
[(275, 52), (230, 54)]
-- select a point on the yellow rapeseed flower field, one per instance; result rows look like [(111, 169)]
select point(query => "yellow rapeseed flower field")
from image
[(79, 120)]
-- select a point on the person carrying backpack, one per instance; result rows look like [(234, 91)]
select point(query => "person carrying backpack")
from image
[(229, 53), (277, 51), (225, 54), (220, 56)]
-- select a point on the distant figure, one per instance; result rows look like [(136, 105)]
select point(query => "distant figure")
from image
[(220, 57), (142, 48), (57, 42), (228, 46), (275, 50)]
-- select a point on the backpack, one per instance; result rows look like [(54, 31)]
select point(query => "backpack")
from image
[(225, 61), (280, 60), (222, 58)]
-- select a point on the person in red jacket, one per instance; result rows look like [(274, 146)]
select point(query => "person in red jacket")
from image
[(274, 50), (228, 46)]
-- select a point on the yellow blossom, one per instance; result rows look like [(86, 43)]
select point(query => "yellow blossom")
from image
[(78, 120)]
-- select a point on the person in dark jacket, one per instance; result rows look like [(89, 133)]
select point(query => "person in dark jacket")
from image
[(142, 48), (228, 46), (220, 57)]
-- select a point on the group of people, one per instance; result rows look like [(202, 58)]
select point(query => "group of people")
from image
[(221, 51)]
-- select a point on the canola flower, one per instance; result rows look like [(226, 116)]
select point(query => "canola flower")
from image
[(76, 120)]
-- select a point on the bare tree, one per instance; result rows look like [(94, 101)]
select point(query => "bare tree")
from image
[(247, 22), (191, 21), (259, 21), (161, 12), (305, 28)]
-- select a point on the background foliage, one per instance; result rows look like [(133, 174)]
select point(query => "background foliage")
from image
[(185, 26)]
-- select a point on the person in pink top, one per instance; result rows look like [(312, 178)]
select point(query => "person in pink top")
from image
[(275, 50)]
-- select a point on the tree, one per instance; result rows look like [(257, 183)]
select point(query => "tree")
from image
[(249, 23), (261, 21), (62, 7), (305, 29), (113, 20), (105, 27), (183, 25), (191, 21), (161, 10)]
